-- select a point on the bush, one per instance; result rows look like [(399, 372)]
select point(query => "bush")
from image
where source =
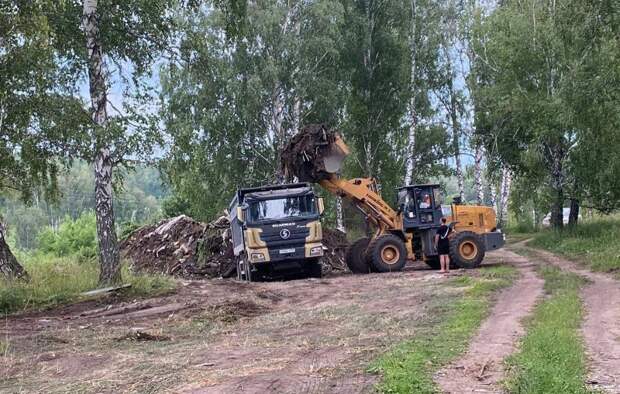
[(73, 238)]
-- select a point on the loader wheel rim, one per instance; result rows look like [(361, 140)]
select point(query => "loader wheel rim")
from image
[(468, 250), (390, 254)]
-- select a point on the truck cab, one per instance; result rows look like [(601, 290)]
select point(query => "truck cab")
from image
[(276, 232)]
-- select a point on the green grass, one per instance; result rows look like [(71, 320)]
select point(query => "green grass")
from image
[(60, 280), (551, 357), (594, 244), (408, 368)]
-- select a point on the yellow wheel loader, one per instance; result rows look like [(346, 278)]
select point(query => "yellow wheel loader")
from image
[(316, 155)]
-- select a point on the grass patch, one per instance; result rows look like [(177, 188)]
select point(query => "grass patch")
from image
[(409, 367), (551, 358), (593, 244), (60, 280)]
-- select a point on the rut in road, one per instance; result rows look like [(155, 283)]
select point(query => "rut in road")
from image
[(601, 325), (480, 369)]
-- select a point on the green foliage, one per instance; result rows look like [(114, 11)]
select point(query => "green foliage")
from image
[(138, 201), (594, 244), (409, 367), (551, 357), (55, 281), (74, 238)]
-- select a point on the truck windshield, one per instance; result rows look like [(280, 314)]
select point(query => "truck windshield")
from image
[(281, 208)]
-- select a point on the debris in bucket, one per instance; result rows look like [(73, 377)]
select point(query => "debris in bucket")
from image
[(304, 156)]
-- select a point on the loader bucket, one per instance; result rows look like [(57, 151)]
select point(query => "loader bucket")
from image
[(333, 162)]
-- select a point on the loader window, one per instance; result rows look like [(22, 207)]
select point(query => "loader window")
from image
[(282, 208)]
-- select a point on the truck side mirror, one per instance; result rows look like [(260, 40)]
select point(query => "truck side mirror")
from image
[(321, 205), (241, 214)]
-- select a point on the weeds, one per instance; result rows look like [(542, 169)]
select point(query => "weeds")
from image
[(60, 280), (594, 244)]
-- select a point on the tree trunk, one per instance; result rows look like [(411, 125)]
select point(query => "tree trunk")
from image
[(410, 151), (504, 196), (9, 266), (456, 140), (104, 210), (478, 174), (573, 217), (557, 185), (340, 215)]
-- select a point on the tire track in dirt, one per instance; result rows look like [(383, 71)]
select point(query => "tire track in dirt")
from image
[(601, 324), (480, 369)]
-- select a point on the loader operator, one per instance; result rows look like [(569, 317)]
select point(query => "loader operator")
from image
[(442, 244)]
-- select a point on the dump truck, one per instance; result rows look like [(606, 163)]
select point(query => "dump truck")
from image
[(276, 232), (316, 154)]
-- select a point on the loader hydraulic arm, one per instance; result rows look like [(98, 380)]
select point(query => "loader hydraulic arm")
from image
[(362, 192)]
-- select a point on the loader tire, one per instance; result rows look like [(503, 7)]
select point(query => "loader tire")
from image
[(387, 253), (467, 250), (356, 256), (433, 262)]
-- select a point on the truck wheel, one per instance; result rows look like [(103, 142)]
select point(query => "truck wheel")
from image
[(433, 262), (387, 253), (467, 250), (314, 269), (244, 271), (356, 256)]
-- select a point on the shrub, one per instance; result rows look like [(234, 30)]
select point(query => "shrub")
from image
[(73, 238)]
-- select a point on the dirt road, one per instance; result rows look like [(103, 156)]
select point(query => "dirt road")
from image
[(480, 369), (601, 326)]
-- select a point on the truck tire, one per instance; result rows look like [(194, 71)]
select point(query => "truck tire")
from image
[(356, 256), (315, 269), (244, 269), (433, 262), (467, 250), (387, 253)]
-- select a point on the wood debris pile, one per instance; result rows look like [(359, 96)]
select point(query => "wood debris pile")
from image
[(337, 244), (181, 246)]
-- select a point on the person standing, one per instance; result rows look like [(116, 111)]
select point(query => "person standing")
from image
[(442, 244)]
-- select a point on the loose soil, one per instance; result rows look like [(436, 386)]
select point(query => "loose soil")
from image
[(223, 336), (601, 326), (480, 369)]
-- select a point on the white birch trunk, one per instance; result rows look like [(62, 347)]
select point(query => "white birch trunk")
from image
[(340, 215), (104, 211), (505, 195), (411, 140), (493, 197), (479, 156)]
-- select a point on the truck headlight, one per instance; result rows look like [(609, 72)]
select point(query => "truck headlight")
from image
[(316, 251), (257, 257)]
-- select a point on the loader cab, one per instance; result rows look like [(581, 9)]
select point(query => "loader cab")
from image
[(420, 206)]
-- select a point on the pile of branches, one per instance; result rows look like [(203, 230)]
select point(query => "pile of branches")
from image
[(181, 246), (336, 243), (303, 156)]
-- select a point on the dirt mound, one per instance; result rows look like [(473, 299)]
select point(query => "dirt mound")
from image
[(303, 155), (181, 246)]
